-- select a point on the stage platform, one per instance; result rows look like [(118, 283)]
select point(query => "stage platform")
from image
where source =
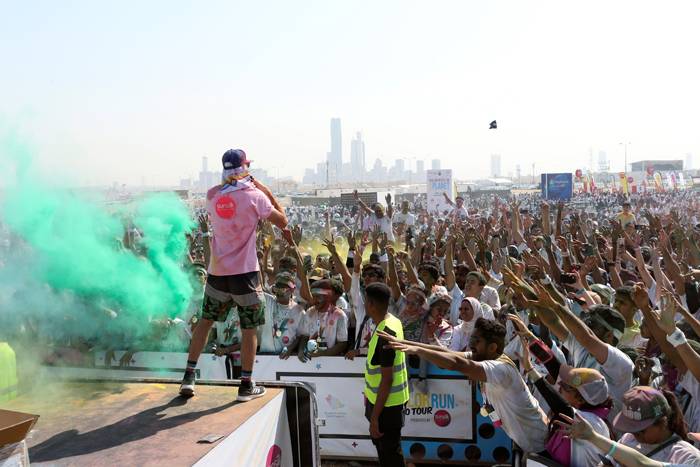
[(133, 424)]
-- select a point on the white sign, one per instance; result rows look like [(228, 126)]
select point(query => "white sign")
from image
[(439, 182)]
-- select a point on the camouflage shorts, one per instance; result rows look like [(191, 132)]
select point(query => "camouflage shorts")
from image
[(242, 291)]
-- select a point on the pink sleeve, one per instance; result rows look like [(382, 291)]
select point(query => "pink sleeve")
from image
[(263, 205)]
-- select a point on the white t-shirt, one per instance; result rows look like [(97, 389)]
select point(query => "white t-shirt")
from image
[(331, 325), (692, 412), (384, 223), (617, 368), (489, 295), (680, 452), (281, 325), (584, 453), (407, 219), (462, 212), (363, 334), (523, 419)]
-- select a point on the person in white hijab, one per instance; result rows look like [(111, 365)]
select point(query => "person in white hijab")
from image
[(469, 311)]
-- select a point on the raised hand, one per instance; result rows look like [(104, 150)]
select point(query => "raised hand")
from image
[(575, 429), (544, 298), (643, 366), (297, 234), (203, 222), (351, 240), (667, 317), (640, 295), (388, 199), (383, 241), (288, 235), (522, 329), (329, 243)]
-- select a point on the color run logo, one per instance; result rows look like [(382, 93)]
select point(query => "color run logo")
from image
[(274, 457), (427, 404)]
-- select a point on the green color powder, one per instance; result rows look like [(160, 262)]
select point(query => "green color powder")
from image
[(73, 247)]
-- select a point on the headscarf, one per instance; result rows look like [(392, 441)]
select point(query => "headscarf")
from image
[(236, 179), (467, 327)]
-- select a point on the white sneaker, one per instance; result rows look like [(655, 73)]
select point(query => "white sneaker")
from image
[(187, 386)]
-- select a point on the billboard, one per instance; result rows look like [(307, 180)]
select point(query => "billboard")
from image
[(439, 182), (557, 186)]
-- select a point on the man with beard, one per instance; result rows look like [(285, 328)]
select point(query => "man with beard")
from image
[(507, 400)]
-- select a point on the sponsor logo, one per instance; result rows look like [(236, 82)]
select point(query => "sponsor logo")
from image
[(225, 207), (334, 403), (442, 418)]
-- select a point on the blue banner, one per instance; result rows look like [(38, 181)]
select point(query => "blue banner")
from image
[(557, 186)]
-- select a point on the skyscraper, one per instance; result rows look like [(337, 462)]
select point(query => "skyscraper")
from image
[(435, 164), (688, 161), (335, 156), (420, 168), (357, 157), (495, 165), (603, 162)]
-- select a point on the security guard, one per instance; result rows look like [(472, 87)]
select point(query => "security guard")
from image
[(386, 379)]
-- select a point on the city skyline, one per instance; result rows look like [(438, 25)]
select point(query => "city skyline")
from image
[(146, 105)]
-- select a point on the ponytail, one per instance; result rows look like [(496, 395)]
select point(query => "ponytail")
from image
[(676, 422)]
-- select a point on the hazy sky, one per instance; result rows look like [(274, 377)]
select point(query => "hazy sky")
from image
[(117, 91)]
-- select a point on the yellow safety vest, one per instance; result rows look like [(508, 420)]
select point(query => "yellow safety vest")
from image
[(8, 373), (398, 394)]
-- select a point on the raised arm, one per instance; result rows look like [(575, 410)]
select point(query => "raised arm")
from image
[(544, 306), (410, 270), (670, 264), (582, 333), (392, 275), (361, 203), (339, 264), (277, 215), (449, 263), (444, 358), (579, 428), (206, 237), (448, 200), (641, 267), (305, 291)]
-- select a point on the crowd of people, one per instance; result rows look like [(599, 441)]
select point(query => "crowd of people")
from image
[(578, 320)]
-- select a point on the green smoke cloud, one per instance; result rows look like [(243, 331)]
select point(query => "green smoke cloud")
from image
[(70, 265)]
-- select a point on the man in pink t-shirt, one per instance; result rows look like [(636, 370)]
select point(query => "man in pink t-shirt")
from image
[(235, 207)]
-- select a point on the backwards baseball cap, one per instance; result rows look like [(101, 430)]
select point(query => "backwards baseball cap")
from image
[(234, 158), (641, 407), (590, 383)]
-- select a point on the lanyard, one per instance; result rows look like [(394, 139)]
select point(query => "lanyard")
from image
[(358, 339)]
